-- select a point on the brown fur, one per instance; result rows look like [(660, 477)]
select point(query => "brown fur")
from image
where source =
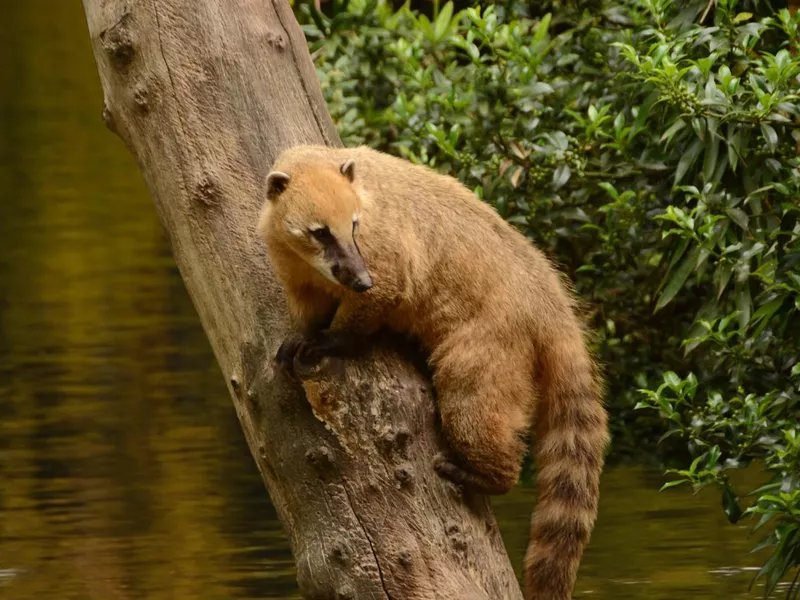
[(505, 343)]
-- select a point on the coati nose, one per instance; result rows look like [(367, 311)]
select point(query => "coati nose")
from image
[(362, 283)]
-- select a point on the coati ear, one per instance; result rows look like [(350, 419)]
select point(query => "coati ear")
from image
[(277, 181), (348, 169)]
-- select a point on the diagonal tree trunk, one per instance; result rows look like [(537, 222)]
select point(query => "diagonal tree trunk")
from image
[(205, 93)]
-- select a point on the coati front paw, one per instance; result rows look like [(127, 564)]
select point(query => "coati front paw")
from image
[(305, 356), (299, 353), (307, 348)]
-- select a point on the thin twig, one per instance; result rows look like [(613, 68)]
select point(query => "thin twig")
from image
[(708, 8)]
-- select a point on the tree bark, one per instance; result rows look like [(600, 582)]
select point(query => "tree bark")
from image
[(205, 94)]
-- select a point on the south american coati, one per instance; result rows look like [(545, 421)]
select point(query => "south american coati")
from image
[(361, 240)]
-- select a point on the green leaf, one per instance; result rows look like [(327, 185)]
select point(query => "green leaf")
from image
[(710, 158), (712, 457), (734, 145), (672, 379), (679, 251), (739, 217), (699, 125), (540, 88), (744, 304), (768, 487), (678, 278), (687, 160), (730, 504), (609, 188), (673, 129), (765, 518), (695, 463), (472, 50), (770, 136), (722, 276), (765, 313), (671, 484), (443, 21), (425, 25), (541, 30), (560, 176), (668, 434)]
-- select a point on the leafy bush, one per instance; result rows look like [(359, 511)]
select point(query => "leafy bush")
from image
[(651, 148)]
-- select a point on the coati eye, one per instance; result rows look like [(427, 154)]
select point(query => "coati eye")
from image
[(320, 233)]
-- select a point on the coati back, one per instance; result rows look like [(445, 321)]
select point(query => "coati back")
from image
[(361, 240)]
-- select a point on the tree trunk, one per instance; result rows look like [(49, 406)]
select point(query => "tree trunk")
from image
[(205, 94)]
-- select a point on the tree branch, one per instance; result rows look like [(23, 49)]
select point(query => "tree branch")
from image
[(205, 94)]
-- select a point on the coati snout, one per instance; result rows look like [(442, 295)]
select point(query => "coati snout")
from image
[(358, 281), (345, 262)]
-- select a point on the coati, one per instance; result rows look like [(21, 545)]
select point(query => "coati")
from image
[(362, 240)]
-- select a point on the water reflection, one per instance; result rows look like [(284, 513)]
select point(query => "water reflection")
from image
[(124, 472)]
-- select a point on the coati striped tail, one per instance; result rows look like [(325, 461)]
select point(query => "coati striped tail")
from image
[(571, 436)]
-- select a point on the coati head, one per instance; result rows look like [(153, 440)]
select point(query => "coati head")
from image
[(315, 211)]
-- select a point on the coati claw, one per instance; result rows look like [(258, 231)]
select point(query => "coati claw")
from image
[(289, 348), (285, 355), (449, 470)]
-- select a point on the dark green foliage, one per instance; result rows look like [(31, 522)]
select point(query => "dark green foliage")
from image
[(651, 149)]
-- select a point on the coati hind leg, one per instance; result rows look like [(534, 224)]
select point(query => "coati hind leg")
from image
[(485, 401)]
